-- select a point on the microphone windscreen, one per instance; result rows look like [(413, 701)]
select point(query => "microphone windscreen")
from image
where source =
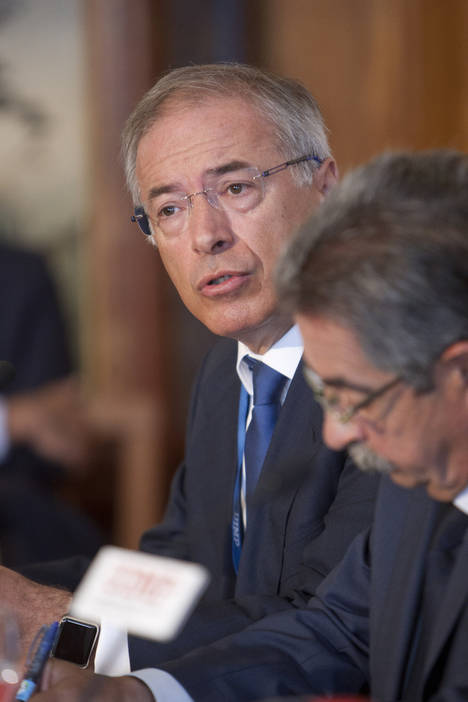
[(7, 373)]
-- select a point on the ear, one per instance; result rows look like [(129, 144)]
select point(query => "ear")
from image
[(326, 176), (457, 355)]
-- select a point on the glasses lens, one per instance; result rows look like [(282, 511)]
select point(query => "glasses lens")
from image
[(329, 403), (240, 191), (168, 211)]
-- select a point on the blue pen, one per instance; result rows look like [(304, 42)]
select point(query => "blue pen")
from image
[(39, 655)]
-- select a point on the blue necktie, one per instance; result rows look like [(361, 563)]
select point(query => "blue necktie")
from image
[(268, 385)]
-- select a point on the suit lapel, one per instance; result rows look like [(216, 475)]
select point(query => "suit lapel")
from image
[(217, 460), (288, 456)]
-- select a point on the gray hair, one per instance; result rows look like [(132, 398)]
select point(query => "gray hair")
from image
[(282, 102), (387, 256)]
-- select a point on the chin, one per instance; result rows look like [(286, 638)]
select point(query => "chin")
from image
[(405, 480), (441, 493), (230, 331), (234, 328)]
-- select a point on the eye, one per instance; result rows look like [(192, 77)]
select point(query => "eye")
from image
[(167, 211), (237, 188), (333, 400)]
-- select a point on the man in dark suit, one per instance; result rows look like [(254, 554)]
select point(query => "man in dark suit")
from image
[(379, 283), (307, 503), (220, 245), (250, 150)]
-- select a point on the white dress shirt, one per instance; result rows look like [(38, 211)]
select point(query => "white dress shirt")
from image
[(461, 501)]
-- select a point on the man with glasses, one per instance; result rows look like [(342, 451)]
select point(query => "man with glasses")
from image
[(224, 163)]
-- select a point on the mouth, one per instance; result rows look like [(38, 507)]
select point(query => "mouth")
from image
[(222, 283), (221, 279)]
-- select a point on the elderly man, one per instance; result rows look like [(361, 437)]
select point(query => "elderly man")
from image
[(225, 162), (379, 283)]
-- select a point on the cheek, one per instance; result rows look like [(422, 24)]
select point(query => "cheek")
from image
[(394, 438), (177, 269), (408, 441), (267, 250), (267, 229)]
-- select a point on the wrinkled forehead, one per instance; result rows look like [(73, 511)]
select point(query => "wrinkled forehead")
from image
[(183, 101), (190, 138)]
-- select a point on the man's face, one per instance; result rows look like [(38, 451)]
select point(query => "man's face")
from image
[(222, 263), (421, 436)]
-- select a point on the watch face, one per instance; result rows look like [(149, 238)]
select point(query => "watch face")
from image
[(75, 641)]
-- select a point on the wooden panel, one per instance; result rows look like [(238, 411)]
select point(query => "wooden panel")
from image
[(127, 354), (387, 73)]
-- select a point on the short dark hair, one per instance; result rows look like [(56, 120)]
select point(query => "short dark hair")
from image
[(387, 255)]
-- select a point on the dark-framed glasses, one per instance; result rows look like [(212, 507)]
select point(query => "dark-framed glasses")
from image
[(238, 191), (332, 402)]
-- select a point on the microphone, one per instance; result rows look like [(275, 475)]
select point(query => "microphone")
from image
[(7, 373)]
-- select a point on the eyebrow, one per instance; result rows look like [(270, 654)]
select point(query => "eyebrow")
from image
[(229, 167), (341, 383)]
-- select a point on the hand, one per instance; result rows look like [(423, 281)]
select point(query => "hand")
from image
[(53, 421), (66, 682), (32, 604)]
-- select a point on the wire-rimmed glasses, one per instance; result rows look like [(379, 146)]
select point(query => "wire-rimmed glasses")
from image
[(332, 403), (237, 190)]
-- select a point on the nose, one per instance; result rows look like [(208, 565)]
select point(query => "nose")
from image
[(209, 227), (337, 435)]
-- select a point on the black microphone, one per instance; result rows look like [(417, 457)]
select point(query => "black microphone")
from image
[(7, 373)]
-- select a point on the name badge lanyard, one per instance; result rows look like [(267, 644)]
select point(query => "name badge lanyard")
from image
[(237, 520)]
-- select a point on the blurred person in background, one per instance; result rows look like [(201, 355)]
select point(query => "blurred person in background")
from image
[(43, 427)]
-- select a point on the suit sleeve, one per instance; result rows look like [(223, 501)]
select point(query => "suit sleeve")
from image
[(349, 513), (320, 649), (171, 538)]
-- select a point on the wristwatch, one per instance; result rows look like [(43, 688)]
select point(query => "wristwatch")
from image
[(75, 641)]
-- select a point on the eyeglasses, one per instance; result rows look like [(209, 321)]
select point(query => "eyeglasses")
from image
[(331, 403), (237, 191)]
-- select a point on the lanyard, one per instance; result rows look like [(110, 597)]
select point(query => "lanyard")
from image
[(237, 521)]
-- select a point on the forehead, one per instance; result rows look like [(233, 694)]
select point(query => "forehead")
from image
[(189, 139), (334, 351)]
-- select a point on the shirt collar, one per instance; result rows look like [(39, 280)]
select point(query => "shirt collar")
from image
[(284, 357), (461, 501)]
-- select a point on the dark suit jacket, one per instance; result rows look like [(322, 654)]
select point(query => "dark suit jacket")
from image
[(308, 505), (362, 630)]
